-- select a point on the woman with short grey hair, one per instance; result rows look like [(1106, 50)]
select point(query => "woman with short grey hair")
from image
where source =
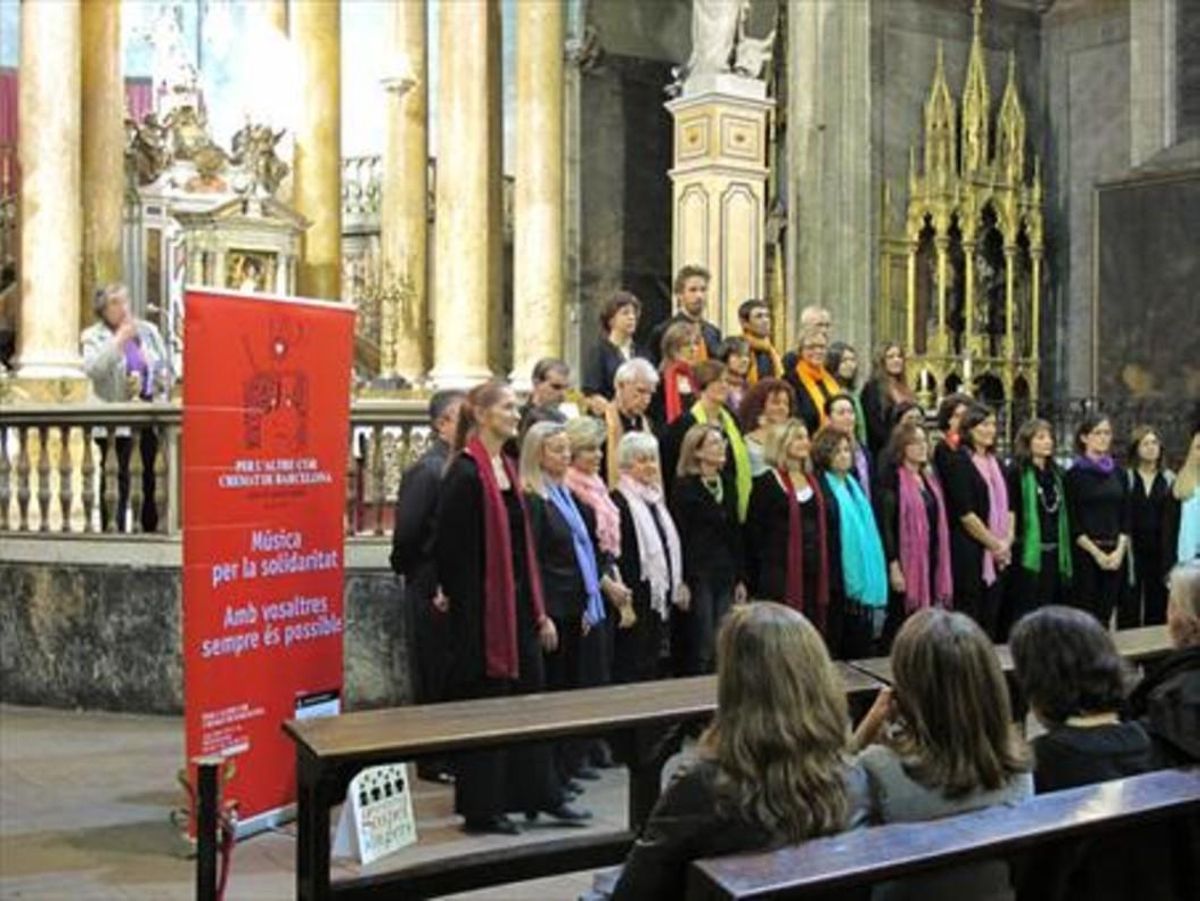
[(634, 386)]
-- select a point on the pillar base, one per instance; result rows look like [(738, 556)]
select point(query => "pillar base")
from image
[(459, 379), (44, 388)]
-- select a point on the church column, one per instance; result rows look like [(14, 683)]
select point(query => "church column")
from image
[(103, 148), (405, 213), (317, 182), (462, 268), (538, 239), (276, 14), (50, 112)]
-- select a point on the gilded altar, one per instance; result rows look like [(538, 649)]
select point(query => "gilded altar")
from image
[(961, 285)]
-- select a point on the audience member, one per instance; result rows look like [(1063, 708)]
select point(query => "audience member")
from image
[(651, 560), (880, 395), (633, 387), (1098, 506), (677, 389), (841, 361), (771, 769), (691, 293), (765, 363), (706, 514), (550, 381), (767, 404), (618, 323), (812, 382), (734, 354)]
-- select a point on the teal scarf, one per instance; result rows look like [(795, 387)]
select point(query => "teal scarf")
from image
[(1031, 547), (863, 568)]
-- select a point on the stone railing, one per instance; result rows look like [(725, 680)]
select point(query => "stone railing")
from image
[(59, 473)]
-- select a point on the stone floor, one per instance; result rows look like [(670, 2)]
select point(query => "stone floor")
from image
[(85, 802)]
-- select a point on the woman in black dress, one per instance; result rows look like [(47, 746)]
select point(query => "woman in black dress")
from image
[(618, 323), (1098, 504), (498, 624), (1144, 602), (704, 504), (885, 389), (1042, 564), (791, 535), (980, 516)]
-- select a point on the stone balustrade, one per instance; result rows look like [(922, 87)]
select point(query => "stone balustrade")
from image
[(59, 472)]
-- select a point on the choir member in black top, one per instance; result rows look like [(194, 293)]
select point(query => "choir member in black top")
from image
[(651, 560), (1042, 559), (1098, 505), (980, 515), (791, 535), (842, 416), (489, 574), (705, 508), (618, 323), (755, 317), (549, 383), (915, 530), (841, 361), (734, 353), (677, 386), (885, 389), (634, 386), (1151, 506), (814, 384), (768, 403), (691, 294)]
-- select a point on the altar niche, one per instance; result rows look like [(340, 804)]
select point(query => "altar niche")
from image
[(962, 282)]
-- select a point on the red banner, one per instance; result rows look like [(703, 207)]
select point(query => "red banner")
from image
[(265, 435)]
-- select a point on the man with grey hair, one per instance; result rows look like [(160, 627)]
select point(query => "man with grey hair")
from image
[(126, 360), (633, 389), (815, 317)]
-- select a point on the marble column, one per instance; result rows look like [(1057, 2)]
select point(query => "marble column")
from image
[(317, 180), (405, 213), (832, 194), (49, 147), (276, 14), (538, 238), (463, 271), (103, 148)]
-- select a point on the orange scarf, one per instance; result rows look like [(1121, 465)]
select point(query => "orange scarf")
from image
[(761, 346), (819, 384)]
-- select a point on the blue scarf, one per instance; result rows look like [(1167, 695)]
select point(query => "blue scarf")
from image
[(1188, 548), (585, 552), (863, 568)]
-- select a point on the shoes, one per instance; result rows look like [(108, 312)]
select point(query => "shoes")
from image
[(571, 787), (565, 813), (435, 773), (591, 774), (602, 756), (494, 825)]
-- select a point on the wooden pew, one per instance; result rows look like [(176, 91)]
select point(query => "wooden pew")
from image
[(865, 857), (1139, 646), (331, 750)]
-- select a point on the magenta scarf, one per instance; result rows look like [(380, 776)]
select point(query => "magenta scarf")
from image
[(594, 492), (914, 544), (997, 507)]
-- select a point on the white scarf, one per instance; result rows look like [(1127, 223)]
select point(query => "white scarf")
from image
[(651, 554)]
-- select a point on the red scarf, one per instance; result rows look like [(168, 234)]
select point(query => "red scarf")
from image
[(499, 580), (794, 586), (672, 373)]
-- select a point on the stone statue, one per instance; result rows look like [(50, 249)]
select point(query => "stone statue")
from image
[(714, 36), (254, 152), (146, 152), (752, 55)]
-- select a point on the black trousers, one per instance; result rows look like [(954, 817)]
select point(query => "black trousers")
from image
[(636, 650), (1096, 590), (123, 447), (1144, 603), (1026, 591), (982, 604), (711, 598), (430, 638), (579, 661)]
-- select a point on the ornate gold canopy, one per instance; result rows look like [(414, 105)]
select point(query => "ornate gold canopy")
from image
[(962, 282)]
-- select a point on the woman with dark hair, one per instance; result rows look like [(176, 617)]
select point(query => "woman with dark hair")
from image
[(772, 768), (768, 403), (1042, 561), (1098, 504), (618, 323), (805, 371), (842, 415), (886, 388), (677, 386), (904, 413), (980, 518), (792, 551), (842, 362), (488, 569), (1144, 601), (915, 529), (734, 352), (864, 572)]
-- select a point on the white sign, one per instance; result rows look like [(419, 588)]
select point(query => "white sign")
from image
[(377, 818)]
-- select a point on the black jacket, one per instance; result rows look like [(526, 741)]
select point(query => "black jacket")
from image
[(416, 507), (562, 579), (709, 533), (601, 368), (709, 332), (1167, 704)]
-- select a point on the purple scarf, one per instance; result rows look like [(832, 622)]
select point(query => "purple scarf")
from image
[(914, 544), (1103, 465), (135, 361), (863, 469), (997, 507)]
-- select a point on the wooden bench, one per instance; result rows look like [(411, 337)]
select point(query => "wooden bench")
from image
[(1139, 646), (865, 857), (331, 750)]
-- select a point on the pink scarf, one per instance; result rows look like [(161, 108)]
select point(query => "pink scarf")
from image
[(593, 492), (997, 507), (914, 543)]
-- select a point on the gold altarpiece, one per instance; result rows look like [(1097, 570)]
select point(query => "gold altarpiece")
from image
[(961, 284)]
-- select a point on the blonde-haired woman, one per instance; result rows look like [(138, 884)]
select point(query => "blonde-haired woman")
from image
[(651, 560), (814, 384), (771, 769), (706, 512), (791, 528)]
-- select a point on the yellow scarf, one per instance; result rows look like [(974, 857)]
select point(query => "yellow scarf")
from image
[(764, 346), (616, 431), (741, 456), (819, 384)]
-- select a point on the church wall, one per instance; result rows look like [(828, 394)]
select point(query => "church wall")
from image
[(109, 638)]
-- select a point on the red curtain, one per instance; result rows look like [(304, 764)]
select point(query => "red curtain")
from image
[(8, 107), (139, 98)]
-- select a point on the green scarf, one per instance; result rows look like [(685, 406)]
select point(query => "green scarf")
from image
[(860, 421), (1031, 547), (741, 456)]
